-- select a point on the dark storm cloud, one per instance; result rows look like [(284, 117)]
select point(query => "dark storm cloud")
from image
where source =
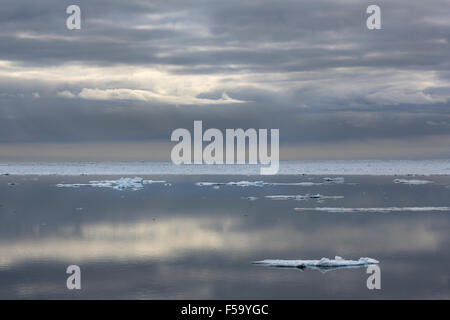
[(295, 32), (310, 68)]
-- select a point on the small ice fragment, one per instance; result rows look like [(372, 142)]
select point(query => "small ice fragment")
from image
[(412, 182), (153, 181), (247, 184), (334, 180), (250, 198), (72, 185), (298, 197), (209, 184), (303, 197), (322, 197), (302, 184), (239, 184)]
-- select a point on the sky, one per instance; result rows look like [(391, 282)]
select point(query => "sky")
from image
[(137, 70)]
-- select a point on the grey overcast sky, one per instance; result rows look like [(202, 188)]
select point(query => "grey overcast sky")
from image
[(137, 70)]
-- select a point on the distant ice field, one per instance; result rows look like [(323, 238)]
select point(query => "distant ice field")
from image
[(322, 167)]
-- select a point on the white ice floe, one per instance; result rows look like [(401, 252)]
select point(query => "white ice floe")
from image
[(304, 197), (326, 181), (246, 184), (255, 184), (323, 264), (134, 184), (374, 210), (297, 197), (412, 182), (239, 184), (301, 184)]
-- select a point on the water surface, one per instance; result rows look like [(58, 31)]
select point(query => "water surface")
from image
[(188, 242)]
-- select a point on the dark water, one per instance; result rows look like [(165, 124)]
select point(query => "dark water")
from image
[(184, 241)]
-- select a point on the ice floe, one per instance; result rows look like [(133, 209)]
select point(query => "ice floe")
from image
[(134, 184), (374, 210), (255, 184), (323, 265), (250, 198), (239, 184), (303, 197), (334, 180), (326, 181), (302, 184), (412, 182)]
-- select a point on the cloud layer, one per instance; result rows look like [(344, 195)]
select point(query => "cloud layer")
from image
[(138, 69)]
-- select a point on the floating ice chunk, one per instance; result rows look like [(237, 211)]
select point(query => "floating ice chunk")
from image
[(322, 197), (334, 180), (374, 210), (247, 184), (250, 198), (323, 264), (303, 197), (124, 183), (302, 184), (71, 185), (239, 184), (134, 184), (255, 184), (298, 197), (154, 181), (412, 182), (209, 184)]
